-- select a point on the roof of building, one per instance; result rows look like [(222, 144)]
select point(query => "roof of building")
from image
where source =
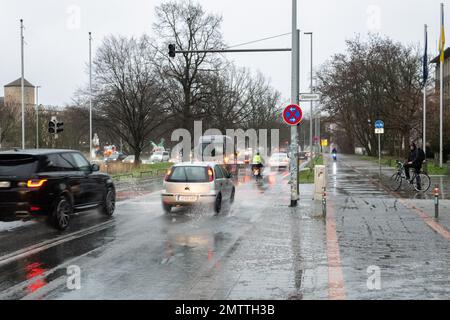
[(18, 83), (446, 55)]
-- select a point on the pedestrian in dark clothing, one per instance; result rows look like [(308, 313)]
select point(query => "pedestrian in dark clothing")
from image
[(414, 161)]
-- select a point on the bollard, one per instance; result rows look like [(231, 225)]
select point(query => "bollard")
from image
[(436, 201), (324, 202)]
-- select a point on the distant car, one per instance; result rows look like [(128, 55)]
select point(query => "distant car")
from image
[(115, 157), (190, 184), (129, 159), (52, 183), (279, 161), (160, 156)]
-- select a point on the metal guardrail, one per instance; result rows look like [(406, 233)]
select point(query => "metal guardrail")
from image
[(120, 176), (150, 173)]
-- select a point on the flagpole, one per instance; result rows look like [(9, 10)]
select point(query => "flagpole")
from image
[(441, 108), (425, 78)]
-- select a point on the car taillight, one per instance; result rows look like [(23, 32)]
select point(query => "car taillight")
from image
[(36, 183), (210, 175), (166, 178)]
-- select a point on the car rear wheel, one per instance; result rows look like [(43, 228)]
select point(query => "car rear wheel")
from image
[(218, 204), (109, 203), (61, 213), (233, 192), (167, 208)]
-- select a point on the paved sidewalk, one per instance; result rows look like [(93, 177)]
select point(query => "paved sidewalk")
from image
[(380, 231)]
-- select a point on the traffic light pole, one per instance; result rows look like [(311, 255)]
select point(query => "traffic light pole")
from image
[(234, 50), (295, 91)]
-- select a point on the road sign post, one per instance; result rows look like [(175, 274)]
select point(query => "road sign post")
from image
[(379, 130), (292, 116)]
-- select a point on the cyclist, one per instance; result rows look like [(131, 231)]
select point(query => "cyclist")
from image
[(334, 154), (414, 161), (257, 163)]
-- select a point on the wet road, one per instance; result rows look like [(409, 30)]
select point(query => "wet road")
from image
[(373, 244), (258, 248)]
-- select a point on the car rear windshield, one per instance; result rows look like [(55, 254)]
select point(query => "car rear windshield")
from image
[(17, 165), (189, 174)]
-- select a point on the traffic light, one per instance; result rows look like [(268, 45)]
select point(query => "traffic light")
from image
[(172, 50), (59, 127), (52, 126)]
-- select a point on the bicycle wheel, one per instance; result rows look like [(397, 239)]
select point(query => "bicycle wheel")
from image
[(395, 182), (425, 183)]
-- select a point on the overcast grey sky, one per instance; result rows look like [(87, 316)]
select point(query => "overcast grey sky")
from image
[(57, 33)]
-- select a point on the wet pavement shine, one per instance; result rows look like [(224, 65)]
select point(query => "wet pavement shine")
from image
[(389, 249), (373, 244), (258, 248)]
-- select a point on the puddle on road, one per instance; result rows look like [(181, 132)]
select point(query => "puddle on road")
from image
[(34, 272)]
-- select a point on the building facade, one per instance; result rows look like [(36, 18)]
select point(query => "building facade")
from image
[(446, 76), (13, 93)]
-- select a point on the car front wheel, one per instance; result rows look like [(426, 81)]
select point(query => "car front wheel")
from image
[(61, 213), (109, 203)]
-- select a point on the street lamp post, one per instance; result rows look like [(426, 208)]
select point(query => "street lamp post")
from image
[(37, 116), (22, 82), (90, 96), (311, 103)]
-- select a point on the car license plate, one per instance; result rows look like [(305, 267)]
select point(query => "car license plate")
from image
[(187, 198), (5, 184)]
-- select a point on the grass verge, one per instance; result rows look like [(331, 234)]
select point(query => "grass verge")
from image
[(432, 168), (307, 176), (145, 170)]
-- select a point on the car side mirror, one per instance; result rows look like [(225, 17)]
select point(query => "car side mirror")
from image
[(95, 167)]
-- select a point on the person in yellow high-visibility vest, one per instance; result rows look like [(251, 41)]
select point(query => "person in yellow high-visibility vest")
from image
[(257, 159), (257, 163)]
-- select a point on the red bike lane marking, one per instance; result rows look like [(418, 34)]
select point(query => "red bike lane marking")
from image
[(336, 289)]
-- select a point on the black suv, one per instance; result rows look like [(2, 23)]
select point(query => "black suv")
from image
[(52, 183)]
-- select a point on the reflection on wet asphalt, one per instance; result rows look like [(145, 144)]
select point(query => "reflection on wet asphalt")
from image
[(377, 228), (258, 248)]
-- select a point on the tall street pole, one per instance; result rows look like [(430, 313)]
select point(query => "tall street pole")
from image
[(424, 139), (90, 96), (294, 100), (441, 108), (22, 83), (37, 117), (311, 104), (297, 68)]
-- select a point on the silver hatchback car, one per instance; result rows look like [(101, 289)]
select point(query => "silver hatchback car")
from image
[(190, 184)]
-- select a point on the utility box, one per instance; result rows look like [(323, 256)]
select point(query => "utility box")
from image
[(320, 181)]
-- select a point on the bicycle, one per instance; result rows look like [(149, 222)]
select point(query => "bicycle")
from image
[(398, 177)]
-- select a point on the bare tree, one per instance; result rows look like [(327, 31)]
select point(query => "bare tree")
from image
[(127, 96), (377, 79), (9, 116), (189, 27)]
